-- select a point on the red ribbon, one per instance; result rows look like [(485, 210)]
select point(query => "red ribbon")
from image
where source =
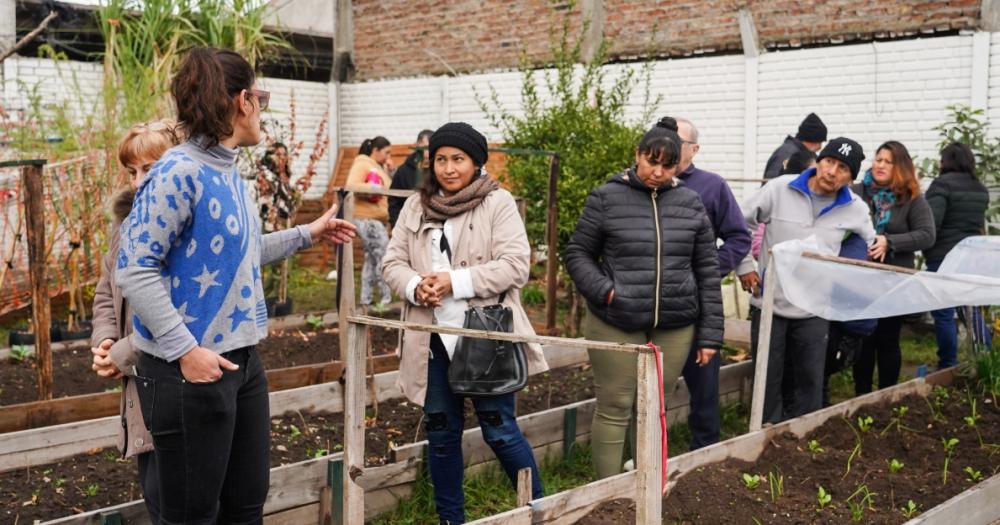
[(663, 415)]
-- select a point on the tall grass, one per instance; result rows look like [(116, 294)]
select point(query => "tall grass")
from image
[(145, 41)]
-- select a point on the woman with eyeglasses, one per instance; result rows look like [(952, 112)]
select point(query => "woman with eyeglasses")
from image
[(189, 265)]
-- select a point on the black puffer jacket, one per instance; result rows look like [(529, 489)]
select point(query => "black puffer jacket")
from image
[(959, 203), (615, 246)]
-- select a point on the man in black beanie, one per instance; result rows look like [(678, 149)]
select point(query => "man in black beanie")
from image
[(818, 202), (810, 137)]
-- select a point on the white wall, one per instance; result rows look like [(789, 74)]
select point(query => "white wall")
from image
[(871, 92), (79, 85)]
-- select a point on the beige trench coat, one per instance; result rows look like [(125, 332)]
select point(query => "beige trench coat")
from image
[(490, 240), (112, 321)]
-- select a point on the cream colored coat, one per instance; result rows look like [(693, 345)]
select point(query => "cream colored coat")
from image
[(490, 240)]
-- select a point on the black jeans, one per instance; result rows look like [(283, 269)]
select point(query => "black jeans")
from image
[(800, 344), (883, 347), (703, 385), (211, 441)]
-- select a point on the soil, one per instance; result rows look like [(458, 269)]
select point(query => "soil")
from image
[(59, 489), (717, 494), (72, 374)]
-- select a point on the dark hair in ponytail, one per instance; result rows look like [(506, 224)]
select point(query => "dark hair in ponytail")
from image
[(203, 90), (370, 145), (661, 143)]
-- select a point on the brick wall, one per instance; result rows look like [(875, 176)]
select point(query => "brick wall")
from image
[(397, 38), (392, 39)]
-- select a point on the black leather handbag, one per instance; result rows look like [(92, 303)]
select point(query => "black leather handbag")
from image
[(487, 367)]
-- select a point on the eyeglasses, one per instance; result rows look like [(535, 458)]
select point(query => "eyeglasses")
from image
[(263, 97), (688, 142)]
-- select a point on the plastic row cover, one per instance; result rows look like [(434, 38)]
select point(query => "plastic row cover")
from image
[(969, 275)]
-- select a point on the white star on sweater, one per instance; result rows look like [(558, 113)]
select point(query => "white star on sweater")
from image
[(206, 280), (183, 311)]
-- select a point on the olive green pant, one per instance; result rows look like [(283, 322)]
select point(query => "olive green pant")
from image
[(615, 383)]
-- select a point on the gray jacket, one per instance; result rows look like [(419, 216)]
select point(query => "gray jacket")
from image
[(785, 205)]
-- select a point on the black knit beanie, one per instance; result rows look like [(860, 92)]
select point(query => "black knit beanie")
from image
[(845, 150), (462, 136), (812, 129)]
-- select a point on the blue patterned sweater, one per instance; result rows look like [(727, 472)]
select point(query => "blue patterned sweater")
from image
[(191, 253)]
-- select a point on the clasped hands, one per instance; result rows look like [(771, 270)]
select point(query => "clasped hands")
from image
[(432, 288)]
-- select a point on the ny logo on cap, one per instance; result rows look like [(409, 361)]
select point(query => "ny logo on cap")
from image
[(845, 149)]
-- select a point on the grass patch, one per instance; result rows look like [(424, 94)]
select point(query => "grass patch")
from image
[(490, 492)]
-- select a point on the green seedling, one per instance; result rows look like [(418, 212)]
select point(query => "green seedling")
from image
[(814, 448), (379, 309), (972, 421), (858, 501), (294, 431), (865, 423), (895, 466), (897, 420), (823, 498), (751, 482), (21, 353), (972, 474), (949, 449), (314, 321), (857, 510), (777, 483), (857, 446), (909, 510), (320, 452), (92, 490)]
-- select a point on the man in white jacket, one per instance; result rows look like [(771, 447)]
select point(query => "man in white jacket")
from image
[(817, 203)]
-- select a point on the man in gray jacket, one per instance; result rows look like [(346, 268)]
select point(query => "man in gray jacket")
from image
[(818, 203)]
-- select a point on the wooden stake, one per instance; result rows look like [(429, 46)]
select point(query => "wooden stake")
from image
[(524, 487), (345, 277), (552, 253), (648, 460), (354, 422), (34, 210), (763, 347)]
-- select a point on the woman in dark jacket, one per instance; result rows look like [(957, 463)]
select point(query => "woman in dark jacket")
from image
[(643, 254), (958, 201), (904, 224)]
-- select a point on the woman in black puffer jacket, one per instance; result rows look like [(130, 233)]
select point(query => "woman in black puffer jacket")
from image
[(643, 254)]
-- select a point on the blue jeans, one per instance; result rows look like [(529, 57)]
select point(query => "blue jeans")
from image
[(945, 330), (445, 421)]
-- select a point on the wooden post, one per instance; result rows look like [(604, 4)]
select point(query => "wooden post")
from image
[(111, 518), (552, 253), (354, 421), (569, 433), (34, 211), (345, 277), (648, 459), (763, 347), (524, 487), (335, 491)]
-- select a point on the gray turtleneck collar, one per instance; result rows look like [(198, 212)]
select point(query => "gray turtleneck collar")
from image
[(217, 157)]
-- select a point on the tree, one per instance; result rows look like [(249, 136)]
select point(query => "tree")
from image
[(582, 118)]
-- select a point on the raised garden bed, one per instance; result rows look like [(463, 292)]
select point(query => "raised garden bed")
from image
[(297, 488), (708, 485), (73, 376), (99, 479)]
